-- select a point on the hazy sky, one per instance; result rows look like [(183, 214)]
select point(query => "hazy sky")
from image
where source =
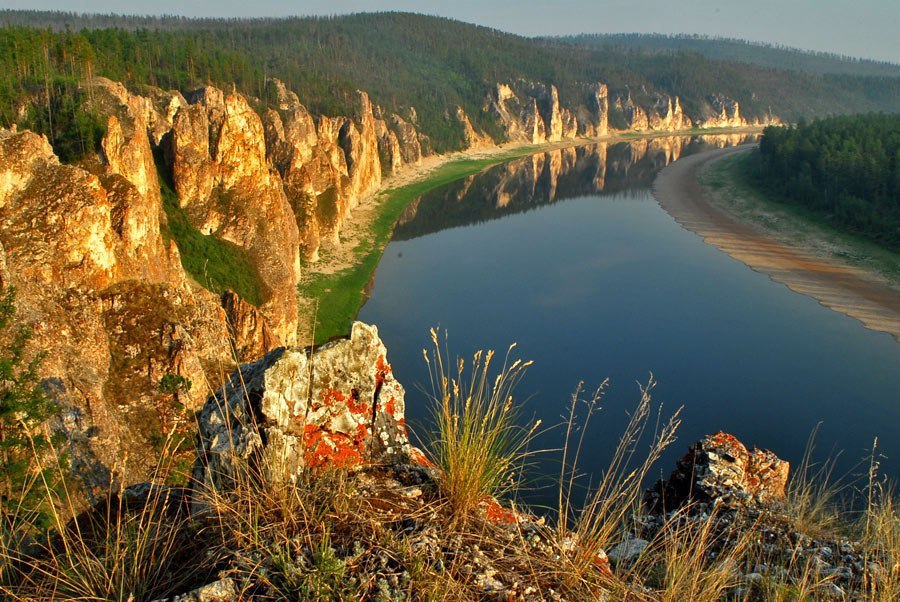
[(866, 28)]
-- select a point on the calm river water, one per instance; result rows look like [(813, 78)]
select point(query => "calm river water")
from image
[(568, 254)]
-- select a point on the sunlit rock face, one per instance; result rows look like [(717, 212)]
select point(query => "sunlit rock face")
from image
[(408, 138), (389, 153), (359, 142), (131, 180), (329, 165), (668, 116), (103, 294), (530, 112), (473, 138), (592, 116), (634, 116), (722, 112), (295, 409), (220, 172)]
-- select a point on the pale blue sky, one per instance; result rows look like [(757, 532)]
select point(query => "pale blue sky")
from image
[(866, 28)]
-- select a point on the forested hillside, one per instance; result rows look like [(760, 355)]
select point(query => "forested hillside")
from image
[(741, 51), (402, 60), (845, 168)]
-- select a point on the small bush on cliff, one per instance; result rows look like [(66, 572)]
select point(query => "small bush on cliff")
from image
[(23, 409)]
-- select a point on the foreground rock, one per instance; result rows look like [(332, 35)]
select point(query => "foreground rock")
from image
[(338, 405), (736, 498), (720, 470)]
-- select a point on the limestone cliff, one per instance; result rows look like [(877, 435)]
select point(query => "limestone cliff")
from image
[(722, 112), (224, 185), (329, 165), (473, 138), (104, 296), (593, 114), (667, 115), (358, 139)]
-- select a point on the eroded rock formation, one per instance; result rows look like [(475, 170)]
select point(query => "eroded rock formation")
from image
[(225, 187), (338, 405), (104, 296)]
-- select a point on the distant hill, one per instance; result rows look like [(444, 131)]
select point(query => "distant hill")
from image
[(741, 51), (403, 60)]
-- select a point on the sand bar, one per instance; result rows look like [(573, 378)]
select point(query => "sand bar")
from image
[(843, 288)]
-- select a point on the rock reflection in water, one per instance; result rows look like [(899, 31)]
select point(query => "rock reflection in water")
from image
[(544, 178)]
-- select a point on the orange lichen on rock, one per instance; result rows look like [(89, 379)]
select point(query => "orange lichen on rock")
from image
[(331, 449), (496, 513)]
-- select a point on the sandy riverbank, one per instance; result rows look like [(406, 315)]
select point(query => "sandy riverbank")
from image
[(802, 268)]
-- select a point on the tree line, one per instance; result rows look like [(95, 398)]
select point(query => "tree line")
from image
[(403, 60), (845, 168)]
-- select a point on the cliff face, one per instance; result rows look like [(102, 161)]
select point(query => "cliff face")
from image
[(220, 171), (327, 168), (104, 296), (534, 113)]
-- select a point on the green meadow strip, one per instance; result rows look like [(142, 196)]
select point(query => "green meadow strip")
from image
[(341, 294)]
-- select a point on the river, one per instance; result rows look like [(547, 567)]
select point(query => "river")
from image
[(568, 254)]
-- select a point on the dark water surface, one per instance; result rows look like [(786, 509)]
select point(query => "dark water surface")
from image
[(568, 254)]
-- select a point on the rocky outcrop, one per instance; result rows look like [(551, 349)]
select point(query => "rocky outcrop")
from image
[(104, 297), (668, 115), (473, 138), (224, 184), (720, 470), (329, 165), (359, 141), (247, 327), (408, 139), (723, 112), (633, 115), (131, 180), (389, 152), (4, 273), (519, 118), (337, 405), (311, 167), (531, 112), (592, 116)]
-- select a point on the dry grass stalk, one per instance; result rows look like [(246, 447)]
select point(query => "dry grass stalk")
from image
[(617, 497)]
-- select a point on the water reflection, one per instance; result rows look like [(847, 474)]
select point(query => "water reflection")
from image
[(544, 178)]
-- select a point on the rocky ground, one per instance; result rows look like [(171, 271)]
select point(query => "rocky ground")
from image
[(306, 487)]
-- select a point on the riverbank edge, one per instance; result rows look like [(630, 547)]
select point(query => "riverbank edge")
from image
[(333, 290), (726, 182), (697, 194)]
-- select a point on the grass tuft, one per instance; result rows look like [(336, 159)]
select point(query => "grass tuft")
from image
[(478, 443)]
